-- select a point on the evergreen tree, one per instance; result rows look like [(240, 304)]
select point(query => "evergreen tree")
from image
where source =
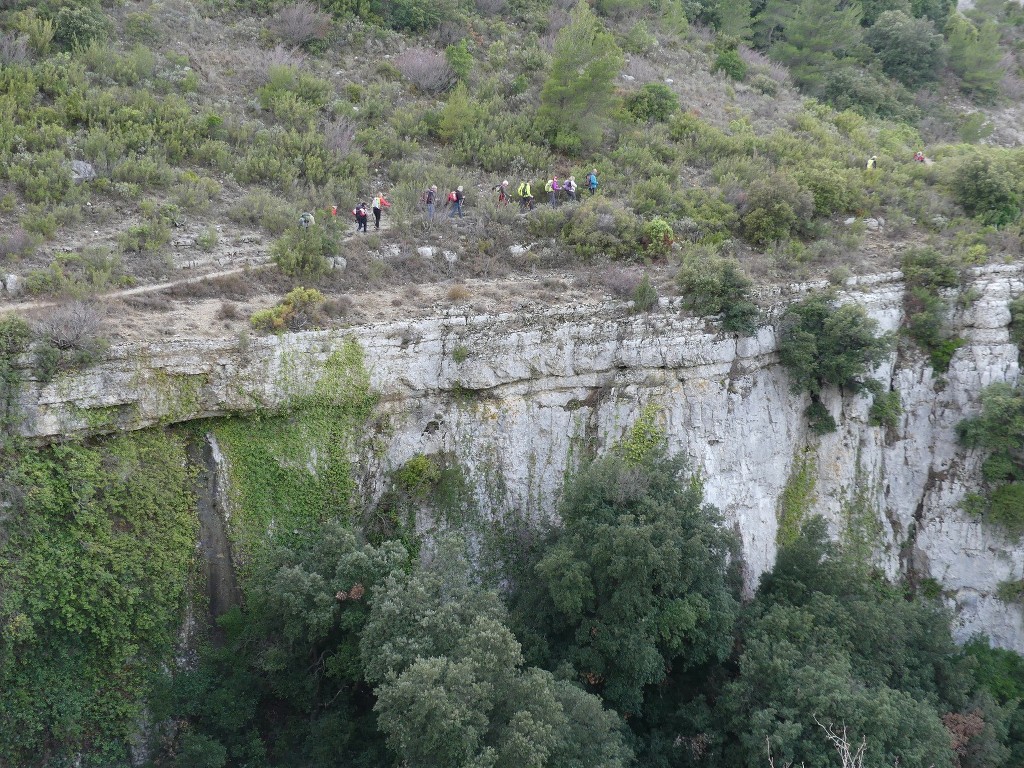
[(975, 55), (633, 584), (819, 37), (452, 689), (579, 93)]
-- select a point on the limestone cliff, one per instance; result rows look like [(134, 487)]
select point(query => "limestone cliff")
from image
[(518, 398)]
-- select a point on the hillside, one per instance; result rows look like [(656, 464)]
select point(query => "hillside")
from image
[(720, 465)]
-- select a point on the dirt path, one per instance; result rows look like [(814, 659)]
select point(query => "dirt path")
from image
[(10, 306)]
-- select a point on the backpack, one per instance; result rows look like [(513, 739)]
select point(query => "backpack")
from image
[(522, 189), (425, 196), (592, 180), (452, 197), (548, 187)]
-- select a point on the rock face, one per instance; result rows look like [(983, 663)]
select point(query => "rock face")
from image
[(519, 399)]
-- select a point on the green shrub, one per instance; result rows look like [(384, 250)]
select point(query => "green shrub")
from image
[(886, 410), (645, 295), (304, 251), (819, 420), (824, 343), (927, 272), (601, 227), (729, 62), (929, 269), (459, 59), (654, 102), (297, 311), (76, 23), (207, 239), (413, 15), (194, 192), (149, 236), (711, 284), (1016, 326), (776, 208), (987, 184), (78, 274), (1011, 591), (43, 177), (657, 238)]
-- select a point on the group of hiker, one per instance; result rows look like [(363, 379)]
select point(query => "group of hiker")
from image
[(553, 188), (455, 199)]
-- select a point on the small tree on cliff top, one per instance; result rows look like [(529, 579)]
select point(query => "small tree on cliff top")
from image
[(579, 93)]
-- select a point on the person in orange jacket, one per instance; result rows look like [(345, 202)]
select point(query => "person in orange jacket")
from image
[(379, 203)]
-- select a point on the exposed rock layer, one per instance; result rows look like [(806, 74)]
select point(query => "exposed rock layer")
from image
[(519, 398)]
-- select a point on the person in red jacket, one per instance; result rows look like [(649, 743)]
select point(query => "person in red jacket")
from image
[(360, 213)]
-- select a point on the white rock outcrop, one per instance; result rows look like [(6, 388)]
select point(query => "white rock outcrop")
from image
[(526, 396)]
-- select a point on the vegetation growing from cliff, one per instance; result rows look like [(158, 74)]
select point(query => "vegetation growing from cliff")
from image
[(999, 431), (292, 468), (97, 547), (824, 343)]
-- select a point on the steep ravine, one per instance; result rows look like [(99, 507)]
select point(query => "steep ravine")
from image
[(516, 399)]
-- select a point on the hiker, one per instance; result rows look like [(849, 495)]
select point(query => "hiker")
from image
[(592, 181), (361, 217), (502, 190), (570, 188), (306, 220), (872, 163), (525, 197), (334, 210), (919, 157), (553, 188), (455, 200), (429, 196), (379, 203)]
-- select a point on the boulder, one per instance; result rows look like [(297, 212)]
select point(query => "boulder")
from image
[(82, 171), (426, 251)]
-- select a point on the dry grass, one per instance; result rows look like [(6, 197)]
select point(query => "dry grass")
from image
[(426, 69), (78, 325), (300, 23), (458, 293)]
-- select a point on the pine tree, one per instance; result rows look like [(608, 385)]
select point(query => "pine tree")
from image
[(974, 54), (579, 93)]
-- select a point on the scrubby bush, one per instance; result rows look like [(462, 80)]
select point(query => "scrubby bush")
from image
[(654, 102), (927, 273), (76, 23), (823, 343), (297, 311), (645, 295), (775, 209), (999, 430), (304, 251), (602, 227), (988, 185), (413, 15), (428, 70), (300, 23), (728, 61), (149, 236), (711, 284), (69, 337), (261, 209), (657, 237), (1016, 326)]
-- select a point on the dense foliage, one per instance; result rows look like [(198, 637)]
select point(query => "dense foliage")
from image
[(97, 550), (999, 431)]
